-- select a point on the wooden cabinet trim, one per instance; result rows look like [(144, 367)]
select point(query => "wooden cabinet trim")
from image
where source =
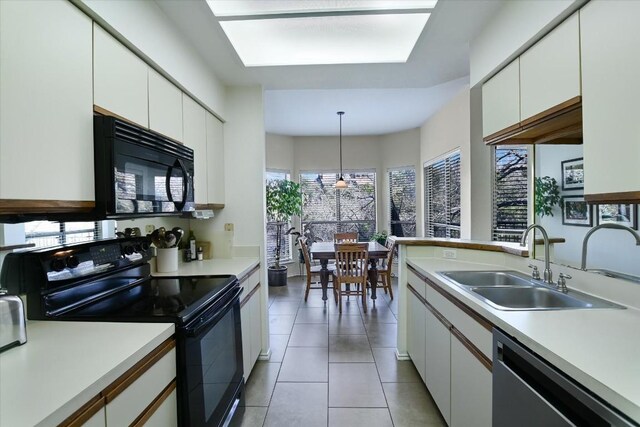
[(246, 276), (84, 414), (613, 198), (12, 247), (468, 311), (153, 406), (431, 308), (486, 362), (21, 206), (552, 112), (136, 371), (210, 206), (503, 134), (248, 297), (463, 244)]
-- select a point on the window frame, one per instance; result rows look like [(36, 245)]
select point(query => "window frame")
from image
[(63, 234), (340, 222), (515, 232), (449, 227), (415, 191), (285, 258)]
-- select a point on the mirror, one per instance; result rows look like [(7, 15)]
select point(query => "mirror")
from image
[(571, 218)]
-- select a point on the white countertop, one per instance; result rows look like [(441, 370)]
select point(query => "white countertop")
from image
[(237, 266), (65, 364), (599, 348)]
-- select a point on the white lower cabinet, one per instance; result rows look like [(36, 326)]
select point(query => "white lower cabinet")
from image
[(99, 419), (256, 327), (471, 388), (245, 315), (416, 321), (166, 414), (251, 318), (438, 364)]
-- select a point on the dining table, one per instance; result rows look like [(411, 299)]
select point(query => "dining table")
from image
[(326, 251)]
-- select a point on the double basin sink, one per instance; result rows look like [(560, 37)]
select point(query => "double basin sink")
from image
[(511, 290)]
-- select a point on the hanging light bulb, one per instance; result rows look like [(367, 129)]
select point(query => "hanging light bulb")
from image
[(341, 183)]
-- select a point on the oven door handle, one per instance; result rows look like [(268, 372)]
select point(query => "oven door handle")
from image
[(202, 323)]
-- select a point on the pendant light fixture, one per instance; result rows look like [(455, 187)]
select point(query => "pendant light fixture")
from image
[(341, 183)]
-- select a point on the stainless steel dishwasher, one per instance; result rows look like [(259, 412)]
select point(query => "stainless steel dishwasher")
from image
[(528, 391)]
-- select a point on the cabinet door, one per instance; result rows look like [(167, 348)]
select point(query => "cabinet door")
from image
[(245, 317), (256, 327), (501, 100), (195, 137), (416, 320), (471, 388), (165, 106), (46, 117), (97, 420), (438, 364), (610, 43), (215, 160), (550, 70), (120, 79), (165, 415)]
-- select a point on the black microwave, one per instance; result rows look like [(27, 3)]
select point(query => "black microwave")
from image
[(138, 172)]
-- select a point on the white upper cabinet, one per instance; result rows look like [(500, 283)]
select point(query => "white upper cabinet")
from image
[(501, 100), (195, 137), (610, 43), (120, 79), (46, 116), (550, 70), (215, 160), (165, 106)]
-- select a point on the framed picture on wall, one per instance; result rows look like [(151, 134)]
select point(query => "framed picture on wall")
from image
[(576, 211), (623, 214), (573, 174)]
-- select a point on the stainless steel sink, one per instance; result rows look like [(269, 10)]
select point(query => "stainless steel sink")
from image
[(488, 278), (511, 290)]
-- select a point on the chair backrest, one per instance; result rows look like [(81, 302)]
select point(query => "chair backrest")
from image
[(391, 245), (305, 254), (345, 238), (352, 260)]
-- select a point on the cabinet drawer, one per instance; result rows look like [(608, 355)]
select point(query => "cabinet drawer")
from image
[(163, 412), (125, 405), (417, 283), (479, 334)]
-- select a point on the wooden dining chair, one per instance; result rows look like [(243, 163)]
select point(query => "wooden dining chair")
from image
[(345, 238), (313, 271), (384, 271), (352, 261)]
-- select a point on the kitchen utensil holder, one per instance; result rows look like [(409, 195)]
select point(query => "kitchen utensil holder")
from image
[(167, 260)]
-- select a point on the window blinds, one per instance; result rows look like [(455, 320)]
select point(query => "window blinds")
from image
[(326, 211), (402, 202), (510, 189), (47, 233), (442, 197)]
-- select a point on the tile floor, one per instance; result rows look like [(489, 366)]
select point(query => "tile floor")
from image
[(332, 369)]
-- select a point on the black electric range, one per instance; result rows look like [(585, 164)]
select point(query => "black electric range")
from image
[(110, 280)]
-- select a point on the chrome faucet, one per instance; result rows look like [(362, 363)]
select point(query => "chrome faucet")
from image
[(583, 266), (547, 274)]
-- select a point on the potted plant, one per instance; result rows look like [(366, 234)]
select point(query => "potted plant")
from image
[(284, 199), (380, 237), (546, 195)]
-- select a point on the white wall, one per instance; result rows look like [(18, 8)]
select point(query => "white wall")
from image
[(516, 26), (448, 130), (280, 152), (147, 29), (609, 249), (481, 173)]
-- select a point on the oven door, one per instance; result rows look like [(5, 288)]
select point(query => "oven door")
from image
[(210, 377)]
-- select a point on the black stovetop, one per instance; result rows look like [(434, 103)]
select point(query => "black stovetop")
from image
[(166, 299)]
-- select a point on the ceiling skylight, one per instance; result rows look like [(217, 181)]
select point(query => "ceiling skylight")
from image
[(290, 32)]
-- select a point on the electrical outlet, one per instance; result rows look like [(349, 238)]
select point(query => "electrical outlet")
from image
[(228, 227), (449, 254), (149, 228)]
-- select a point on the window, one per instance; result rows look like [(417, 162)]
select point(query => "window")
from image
[(326, 211), (285, 243), (402, 202), (46, 233), (509, 193), (442, 196)]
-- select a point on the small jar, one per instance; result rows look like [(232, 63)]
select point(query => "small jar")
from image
[(187, 255), (200, 253)]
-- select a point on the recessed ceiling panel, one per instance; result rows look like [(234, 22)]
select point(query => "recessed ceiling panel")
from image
[(352, 39), (225, 8)]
